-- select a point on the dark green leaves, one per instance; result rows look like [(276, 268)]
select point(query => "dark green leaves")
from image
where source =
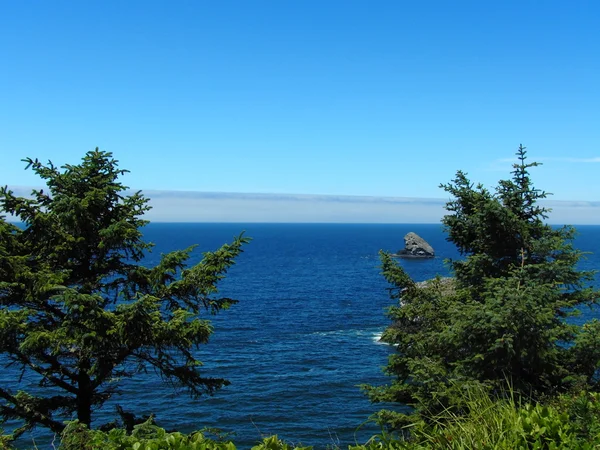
[(79, 312), (502, 318)]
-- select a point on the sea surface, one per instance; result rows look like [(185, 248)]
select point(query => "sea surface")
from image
[(304, 335)]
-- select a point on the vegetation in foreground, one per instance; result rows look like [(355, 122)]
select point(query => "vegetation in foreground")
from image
[(503, 322), (568, 422)]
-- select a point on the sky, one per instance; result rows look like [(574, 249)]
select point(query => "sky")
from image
[(345, 100)]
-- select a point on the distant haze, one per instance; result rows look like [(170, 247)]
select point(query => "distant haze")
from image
[(189, 206)]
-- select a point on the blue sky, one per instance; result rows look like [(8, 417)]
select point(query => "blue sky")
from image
[(340, 98)]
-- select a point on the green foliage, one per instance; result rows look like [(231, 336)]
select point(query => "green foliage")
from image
[(148, 436), (79, 312), (504, 316), (486, 423), (5, 440), (274, 443), (145, 436), (501, 422)]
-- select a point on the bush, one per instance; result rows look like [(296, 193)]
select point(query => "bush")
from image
[(148, 436), (570, 422)]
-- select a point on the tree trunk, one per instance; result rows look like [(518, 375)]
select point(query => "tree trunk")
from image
[(84, 396)]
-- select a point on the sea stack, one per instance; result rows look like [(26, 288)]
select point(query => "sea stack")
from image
[(415, 247)]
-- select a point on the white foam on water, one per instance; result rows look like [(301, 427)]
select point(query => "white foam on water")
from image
[(377, 338)]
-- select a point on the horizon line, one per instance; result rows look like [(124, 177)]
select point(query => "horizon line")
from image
[(173, 206)]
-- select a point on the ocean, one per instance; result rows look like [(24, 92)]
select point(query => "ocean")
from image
[(304, 335)]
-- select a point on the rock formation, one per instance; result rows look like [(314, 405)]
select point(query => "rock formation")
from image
[(415, 247)]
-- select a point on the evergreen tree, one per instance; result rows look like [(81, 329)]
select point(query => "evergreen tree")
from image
[(79, 311), (503, 316)]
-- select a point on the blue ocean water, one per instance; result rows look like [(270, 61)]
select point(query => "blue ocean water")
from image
[(304, 335)]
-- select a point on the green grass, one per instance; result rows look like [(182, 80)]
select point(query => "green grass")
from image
[(481, 422)]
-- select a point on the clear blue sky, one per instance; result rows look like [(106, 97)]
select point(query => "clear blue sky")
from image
[(372, 98)]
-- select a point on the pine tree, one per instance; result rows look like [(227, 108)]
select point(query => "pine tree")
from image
[(80, 311), (503, 318)]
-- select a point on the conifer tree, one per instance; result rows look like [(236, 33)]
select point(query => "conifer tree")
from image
[(504, 316), (79, 309)]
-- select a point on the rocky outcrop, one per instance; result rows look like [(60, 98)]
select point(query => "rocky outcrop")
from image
[(415, 247), (443, 286)]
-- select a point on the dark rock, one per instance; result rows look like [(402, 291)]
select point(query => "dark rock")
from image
[(415, 247)]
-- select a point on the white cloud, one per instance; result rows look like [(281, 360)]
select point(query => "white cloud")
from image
[(234, 207), (578, 160), (189, 206)]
